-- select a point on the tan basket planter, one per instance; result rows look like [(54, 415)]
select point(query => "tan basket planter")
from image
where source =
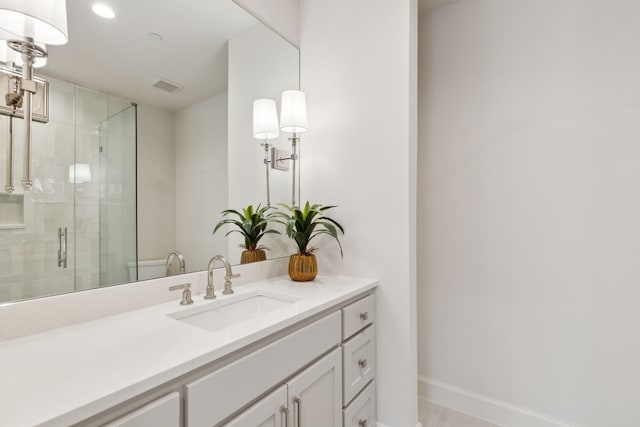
[(303, 268), (252, 255)]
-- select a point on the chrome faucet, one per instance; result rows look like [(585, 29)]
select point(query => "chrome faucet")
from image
[(186, 293), (180, 258), (227, 278)]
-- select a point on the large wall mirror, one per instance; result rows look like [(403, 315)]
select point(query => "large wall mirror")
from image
[(149, 138)]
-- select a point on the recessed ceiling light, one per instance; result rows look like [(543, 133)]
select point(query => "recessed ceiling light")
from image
[(103, 11)]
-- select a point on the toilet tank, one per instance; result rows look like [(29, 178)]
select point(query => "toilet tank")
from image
[(147, 269)]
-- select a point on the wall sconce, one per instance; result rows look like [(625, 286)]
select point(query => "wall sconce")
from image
[(28, 24), (265, 127), (293, 119)]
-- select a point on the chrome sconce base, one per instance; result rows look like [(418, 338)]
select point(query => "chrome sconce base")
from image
[(279, 162), (267, 150), (294, 158), (19, 92), (279, 159)]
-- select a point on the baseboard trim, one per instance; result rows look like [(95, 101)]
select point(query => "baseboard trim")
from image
[(382, 425), (483, 407)]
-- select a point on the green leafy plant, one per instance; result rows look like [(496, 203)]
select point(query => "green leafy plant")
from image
[(304, 225), (251, 223)]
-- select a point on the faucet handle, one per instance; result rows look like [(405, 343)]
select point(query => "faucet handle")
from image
[(228, 290), (186, 293)]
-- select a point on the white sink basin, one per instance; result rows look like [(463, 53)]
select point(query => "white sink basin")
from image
[(227, 312)]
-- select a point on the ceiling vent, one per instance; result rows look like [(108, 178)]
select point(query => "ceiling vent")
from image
[(166, 85)]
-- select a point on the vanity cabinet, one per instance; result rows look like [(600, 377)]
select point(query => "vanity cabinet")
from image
[(163, 412), (319, 373), (359, 362), (315, 395), (358, 315), (215, 397), (362, 411), (331, 391), (313, 398), (270, 411)]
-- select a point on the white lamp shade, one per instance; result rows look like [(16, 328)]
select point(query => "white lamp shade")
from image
[(79, 173), (44, 21), (293, 111), (265, 119)]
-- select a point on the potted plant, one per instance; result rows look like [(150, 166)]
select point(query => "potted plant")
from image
[(252, 224), (303, 226)]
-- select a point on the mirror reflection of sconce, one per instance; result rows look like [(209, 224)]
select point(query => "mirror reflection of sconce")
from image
[(265, 127), (13, 60), (293, 120), (29, 26), (79, 173)]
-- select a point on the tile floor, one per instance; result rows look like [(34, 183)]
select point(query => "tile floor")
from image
[(433, 415)]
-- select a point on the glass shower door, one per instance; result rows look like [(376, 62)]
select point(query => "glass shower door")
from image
[(118, 225)]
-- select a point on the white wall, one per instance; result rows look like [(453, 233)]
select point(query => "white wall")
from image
[(261, 65), (356, 69), (279, 15), (528, 210), (156, 183), (201, 179)]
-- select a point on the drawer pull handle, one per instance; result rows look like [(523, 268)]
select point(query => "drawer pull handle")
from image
[(364, 316), (363, 423), (284, 411), (362, 363)]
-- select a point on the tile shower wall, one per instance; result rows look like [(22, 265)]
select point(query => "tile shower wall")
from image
[(28, 251)]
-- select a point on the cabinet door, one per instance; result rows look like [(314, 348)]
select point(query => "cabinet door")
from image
[(164, 412), (268, 412), (315, 395)]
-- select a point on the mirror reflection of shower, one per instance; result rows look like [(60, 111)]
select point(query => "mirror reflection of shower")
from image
[(76, 229), (117, 194)]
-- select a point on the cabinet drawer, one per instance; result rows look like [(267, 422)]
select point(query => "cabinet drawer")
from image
[(163, 412), (358, 315), (216, 396), (362, 411), (358, 362)]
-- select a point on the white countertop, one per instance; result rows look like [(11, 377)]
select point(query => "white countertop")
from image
[(66, 375)]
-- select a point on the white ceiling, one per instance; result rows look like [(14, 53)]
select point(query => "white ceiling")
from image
[(118, 56)]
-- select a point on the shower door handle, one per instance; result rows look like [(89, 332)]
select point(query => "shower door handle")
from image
[(62, 247)]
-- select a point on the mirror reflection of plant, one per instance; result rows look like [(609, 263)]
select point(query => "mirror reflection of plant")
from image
[(251, 223), (304, 225)]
